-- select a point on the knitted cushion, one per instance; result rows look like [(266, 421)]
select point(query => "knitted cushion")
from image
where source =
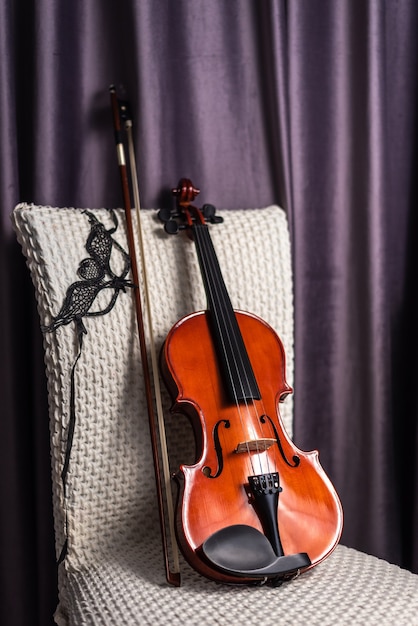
[(113, 572)]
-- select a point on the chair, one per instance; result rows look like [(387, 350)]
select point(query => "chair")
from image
[(113, 571)]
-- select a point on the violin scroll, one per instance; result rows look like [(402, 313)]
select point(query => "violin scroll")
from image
[(183, 216), (185, 192)]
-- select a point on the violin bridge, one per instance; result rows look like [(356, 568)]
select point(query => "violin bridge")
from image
[(255, 445)]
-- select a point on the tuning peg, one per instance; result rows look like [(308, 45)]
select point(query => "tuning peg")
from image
[(171, 227), (164, 215), (209, 211)]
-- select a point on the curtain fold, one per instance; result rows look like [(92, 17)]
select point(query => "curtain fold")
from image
[(339, 164), (308, 104)]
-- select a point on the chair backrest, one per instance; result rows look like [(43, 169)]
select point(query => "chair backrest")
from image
[(110, 492)]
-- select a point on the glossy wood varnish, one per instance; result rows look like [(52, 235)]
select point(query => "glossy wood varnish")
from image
[(309, 511)]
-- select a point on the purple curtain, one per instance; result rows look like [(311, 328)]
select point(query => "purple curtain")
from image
[(312, 105)]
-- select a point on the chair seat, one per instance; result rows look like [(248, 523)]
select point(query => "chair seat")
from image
[(128, 587)]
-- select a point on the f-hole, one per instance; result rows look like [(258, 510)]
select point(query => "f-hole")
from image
[(218, 449)]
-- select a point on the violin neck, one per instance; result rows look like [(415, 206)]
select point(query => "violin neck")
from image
[(234, 362)]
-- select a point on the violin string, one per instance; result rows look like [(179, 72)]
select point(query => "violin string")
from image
[(232, 334), (230, 337), (233, 340), (208, 275)]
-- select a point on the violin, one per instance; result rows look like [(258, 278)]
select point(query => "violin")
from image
[(253, 508)]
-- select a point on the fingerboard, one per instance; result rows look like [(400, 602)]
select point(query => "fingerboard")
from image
[(240, 382)]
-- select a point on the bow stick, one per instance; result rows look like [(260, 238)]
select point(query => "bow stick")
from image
[(173, 577)]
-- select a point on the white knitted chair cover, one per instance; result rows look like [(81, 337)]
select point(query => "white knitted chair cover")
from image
[(113, 573)]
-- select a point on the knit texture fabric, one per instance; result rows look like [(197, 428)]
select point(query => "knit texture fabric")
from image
[(113, 573)]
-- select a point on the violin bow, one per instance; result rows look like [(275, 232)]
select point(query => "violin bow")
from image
[(172, 575)]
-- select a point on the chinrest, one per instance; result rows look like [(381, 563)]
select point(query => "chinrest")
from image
[(244, 551)]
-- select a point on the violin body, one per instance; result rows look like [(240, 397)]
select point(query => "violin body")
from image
[(309, 512), (253, 507)]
